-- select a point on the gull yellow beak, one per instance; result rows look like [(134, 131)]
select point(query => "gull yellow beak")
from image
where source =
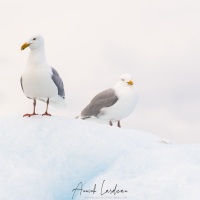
[(25, 45), (130, 82)]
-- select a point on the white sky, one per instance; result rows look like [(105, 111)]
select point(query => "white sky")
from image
[(92, 42)]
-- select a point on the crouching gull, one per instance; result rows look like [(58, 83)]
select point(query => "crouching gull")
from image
[(39, 80), (114, 104)]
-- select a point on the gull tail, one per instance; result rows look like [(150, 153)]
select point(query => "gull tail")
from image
[(58, 102), (82, 117)]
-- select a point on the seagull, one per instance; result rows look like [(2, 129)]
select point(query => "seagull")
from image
[(39, 80), (114, 104)]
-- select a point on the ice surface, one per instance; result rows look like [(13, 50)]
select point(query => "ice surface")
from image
[(45, 158)]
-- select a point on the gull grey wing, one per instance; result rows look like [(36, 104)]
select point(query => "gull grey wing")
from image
[(21, 84), (21, 81), (58, 82), (104, 99)]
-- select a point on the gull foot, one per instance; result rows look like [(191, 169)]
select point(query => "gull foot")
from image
[(118, 124), (46, 114), (29, 115)]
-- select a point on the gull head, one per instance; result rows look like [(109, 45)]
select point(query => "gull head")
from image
[(126, 80), (34, 42)]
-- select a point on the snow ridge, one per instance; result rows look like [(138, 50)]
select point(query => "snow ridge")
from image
[(45, 158)]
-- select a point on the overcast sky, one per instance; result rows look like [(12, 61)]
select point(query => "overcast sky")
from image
[(92, 42)]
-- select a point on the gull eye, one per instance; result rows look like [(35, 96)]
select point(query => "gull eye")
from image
[(34, 38), (122, 79)]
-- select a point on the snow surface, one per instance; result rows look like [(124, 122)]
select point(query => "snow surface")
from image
[(45, 158)]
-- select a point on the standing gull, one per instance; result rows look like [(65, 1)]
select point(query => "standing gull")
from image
[(114, 104), (40, 81)]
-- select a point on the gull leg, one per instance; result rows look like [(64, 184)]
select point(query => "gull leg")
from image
[(110, 123), (34, 105), (118, 124), (46, 112)]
